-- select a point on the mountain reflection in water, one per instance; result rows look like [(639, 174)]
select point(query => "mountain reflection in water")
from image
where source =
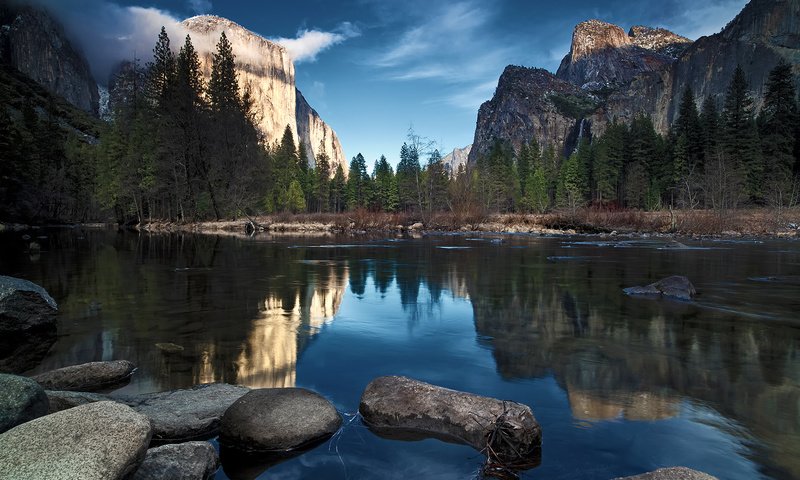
[(278, 312)]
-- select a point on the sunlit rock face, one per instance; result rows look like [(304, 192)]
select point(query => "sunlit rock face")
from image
[(35, 44), (266, 69), (269, 357), (455, 159)]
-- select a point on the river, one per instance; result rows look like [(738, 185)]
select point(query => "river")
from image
[(620, 385)]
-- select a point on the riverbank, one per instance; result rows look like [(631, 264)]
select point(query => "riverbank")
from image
[(738, 223), (784, 223)]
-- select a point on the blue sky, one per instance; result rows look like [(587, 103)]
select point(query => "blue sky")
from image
[(374, 68)]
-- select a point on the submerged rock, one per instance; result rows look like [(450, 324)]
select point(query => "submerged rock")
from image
[(183, 461), (21, 400), (87, 377), (675, 286), (64, 400), (27, 324), (169, 348), (181, 415), (278, 419), (103, 440), (672, 473), (399, 403)]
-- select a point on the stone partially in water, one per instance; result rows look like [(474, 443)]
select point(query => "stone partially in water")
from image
[(27, 324), (672, 473), (675, 286), (278, 419), (21, 400), (403, 403), (87, 377), (63, 400), (181, 415), (169, 348), (183, 461), (101, 441)]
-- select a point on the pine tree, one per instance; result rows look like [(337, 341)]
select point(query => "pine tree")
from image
[(323, 180), (408, 172), (386, 196), (223, 88), (740, 143), (357, 183), (436, 180), (778, 121), (162, 72), (338, 190), (609, 159), (571, 183)]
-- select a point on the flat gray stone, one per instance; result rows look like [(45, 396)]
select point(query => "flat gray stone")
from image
[(181, 415), (672, 473), (62, 400), (101, 441), (182, 461), (392, 403), (21, 400), (675, 286), (278, 419), (87, 377)]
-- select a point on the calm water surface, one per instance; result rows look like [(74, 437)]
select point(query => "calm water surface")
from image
[(621, 385)]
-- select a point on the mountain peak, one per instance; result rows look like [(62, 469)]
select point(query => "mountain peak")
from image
[(658, 40), (595, 35)]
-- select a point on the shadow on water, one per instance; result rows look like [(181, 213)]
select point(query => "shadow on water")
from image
[(249, 310)]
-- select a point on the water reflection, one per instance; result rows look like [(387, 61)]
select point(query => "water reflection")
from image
[(246, 311)]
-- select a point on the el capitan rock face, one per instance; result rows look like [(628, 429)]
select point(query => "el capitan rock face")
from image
[(35, 44), (641, 72), (267, 70)]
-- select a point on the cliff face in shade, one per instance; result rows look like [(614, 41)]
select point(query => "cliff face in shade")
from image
[(267, 70), (35, 44), (316, 134), (529, 102), (614, 75)]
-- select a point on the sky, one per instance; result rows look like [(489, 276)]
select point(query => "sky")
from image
[(374, 69)]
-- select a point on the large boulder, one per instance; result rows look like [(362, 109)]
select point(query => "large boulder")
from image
[(102, 441), (21, 400), (62, 400), (675, 286), (278, 419), (181, 415), (27, 324), (182, 461), (87, 377), (394, 405), (672, 473)]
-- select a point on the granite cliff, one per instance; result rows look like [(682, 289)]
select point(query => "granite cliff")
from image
[(35, 44), (609, 74), (453, 160), (267, 70)]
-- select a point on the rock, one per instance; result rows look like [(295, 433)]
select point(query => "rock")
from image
[(87, 377), (184, 461), (169, 348), (21, 400), (417, 226), (407, 404), (278, 419), (103, 440), (675, 286), (181, 415), (62, 400), (27, 324), (672, 473)]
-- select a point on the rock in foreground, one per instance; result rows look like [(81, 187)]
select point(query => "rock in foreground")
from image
[(181, 415), (27, 324), (21, 400), (103, 440), (278, 419), (672, 473), (87, 377), (675, 286), (63, 400), (407, 404), (183, 461)]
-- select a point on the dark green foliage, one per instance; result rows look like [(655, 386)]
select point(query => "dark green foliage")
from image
[(778, 122), (408, 179), (358, 184), (573, 106), (385, 195), (497, 178), (435, 181), (322, 180), (609, 159), (741, 148)]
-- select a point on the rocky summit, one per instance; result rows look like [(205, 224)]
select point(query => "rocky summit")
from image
[(611, 75)]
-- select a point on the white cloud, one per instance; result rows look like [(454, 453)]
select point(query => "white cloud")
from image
[(199, 6), (309, 43)]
